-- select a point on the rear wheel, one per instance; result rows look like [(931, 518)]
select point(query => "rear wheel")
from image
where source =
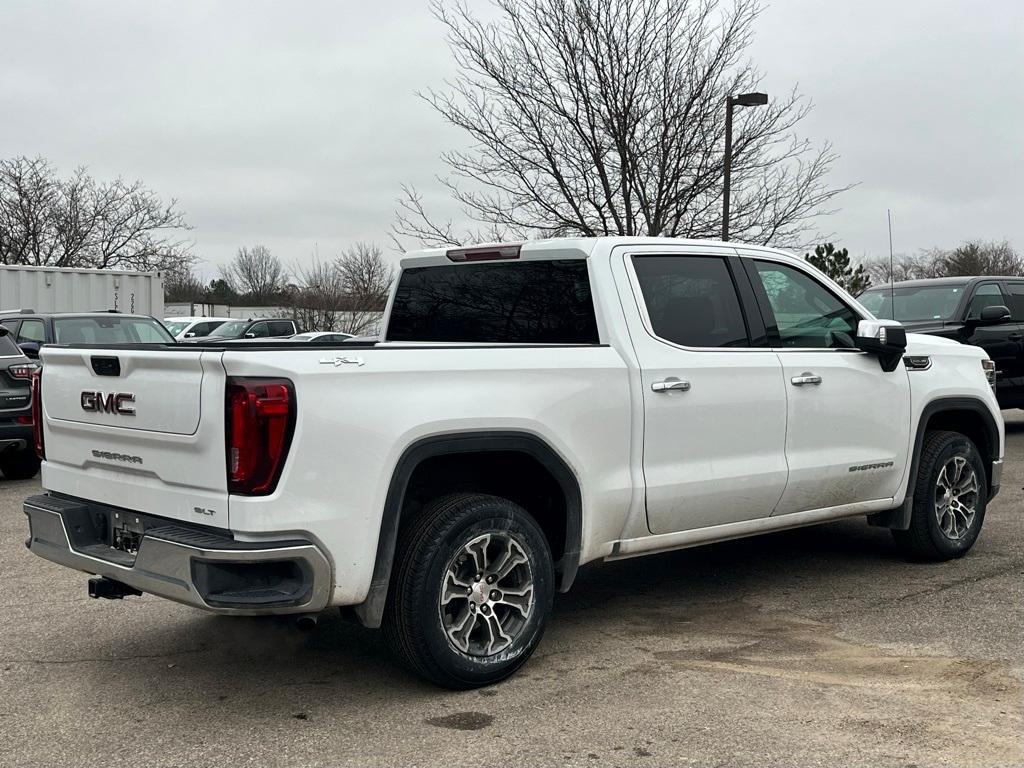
[(471, 591), (20, 465), (950, 496)]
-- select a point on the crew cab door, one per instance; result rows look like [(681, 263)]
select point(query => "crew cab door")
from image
[(848, 425), (714, 407)]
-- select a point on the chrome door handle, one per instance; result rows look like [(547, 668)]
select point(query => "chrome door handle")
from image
[(671, 384), (805, 378)]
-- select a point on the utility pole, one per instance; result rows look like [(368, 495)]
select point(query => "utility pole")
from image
[(743, 100)]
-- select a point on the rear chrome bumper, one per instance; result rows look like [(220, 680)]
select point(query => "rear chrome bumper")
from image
[(187, 564)]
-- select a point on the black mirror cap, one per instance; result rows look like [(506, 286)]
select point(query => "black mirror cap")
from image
[(30, 349), (888, 347), (994, 314)]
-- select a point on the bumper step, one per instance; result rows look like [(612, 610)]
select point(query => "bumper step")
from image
[(189, 565)]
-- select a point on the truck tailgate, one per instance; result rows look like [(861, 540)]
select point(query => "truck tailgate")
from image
[(142, 429)]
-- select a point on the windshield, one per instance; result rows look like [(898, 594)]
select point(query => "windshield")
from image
[(109, 330), (230, 330), (922, 302), (178, 326)]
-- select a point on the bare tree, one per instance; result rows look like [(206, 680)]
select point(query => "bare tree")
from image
[(320, 296), (182, 284), (597, 117), (79, 222), (366, 277), (975, 257), (904, 267), (256, 274), (347, 294)]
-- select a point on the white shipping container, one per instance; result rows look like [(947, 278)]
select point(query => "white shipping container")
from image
[(51, 289)]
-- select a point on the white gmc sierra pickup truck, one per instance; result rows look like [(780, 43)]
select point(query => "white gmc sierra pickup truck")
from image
[(530, 408)]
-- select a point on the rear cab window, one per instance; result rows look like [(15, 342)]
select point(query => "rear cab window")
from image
[(522, 302)]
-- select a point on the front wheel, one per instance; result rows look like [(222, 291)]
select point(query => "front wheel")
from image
[(471, 591), (950, 496)]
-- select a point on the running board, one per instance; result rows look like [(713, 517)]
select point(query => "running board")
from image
[(665, 542)]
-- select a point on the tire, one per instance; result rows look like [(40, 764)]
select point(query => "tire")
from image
[(439, 555), (21, 465), (940, 529)]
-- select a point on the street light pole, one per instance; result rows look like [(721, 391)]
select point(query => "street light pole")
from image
[(743, 100)]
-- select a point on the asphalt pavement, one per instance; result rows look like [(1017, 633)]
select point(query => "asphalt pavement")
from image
[(817, 647)]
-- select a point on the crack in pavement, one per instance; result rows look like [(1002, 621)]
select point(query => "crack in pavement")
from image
[(887, 602), (107, 659)]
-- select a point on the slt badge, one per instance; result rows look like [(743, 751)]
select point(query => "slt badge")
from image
[(336, 361)]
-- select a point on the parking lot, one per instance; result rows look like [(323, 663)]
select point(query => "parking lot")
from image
[(805, 648)]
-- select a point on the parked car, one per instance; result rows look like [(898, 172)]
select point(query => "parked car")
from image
[(183, 328), (258, 328), (31, 329), (308, 338), (531, 408), (987, 312), (18, 459), (323, 337)]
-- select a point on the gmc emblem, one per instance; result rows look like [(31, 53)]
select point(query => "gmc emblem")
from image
[(112, 402)]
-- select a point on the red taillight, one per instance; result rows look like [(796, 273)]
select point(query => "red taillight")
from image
[(260, 418), (37, 412), (22, 371), (486, 253)]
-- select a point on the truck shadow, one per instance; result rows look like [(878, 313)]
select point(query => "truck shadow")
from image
[(267, 667)]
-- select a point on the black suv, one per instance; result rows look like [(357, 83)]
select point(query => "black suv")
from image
[(257, 328), (18, 460), (987, 312), (31, 329)]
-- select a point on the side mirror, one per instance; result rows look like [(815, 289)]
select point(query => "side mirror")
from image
[(31, 349), (993, 315), (886, 339), (250, 335), (190, 335)]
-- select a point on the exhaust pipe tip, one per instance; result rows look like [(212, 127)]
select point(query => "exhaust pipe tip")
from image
[(306, 622)]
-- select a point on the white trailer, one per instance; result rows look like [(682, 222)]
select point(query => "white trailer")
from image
[(53, 289)]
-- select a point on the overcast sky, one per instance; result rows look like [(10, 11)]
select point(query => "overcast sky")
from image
[(294, 123)]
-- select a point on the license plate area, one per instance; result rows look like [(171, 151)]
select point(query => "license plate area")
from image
[(126, 531)]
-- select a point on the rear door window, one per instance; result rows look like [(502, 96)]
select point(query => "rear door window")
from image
[(691, 300), (523, 302)]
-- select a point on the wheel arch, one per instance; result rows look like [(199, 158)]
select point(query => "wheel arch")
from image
[(969, 416), (370, 611)]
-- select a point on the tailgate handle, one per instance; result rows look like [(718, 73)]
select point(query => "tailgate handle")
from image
[(106, 366)]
